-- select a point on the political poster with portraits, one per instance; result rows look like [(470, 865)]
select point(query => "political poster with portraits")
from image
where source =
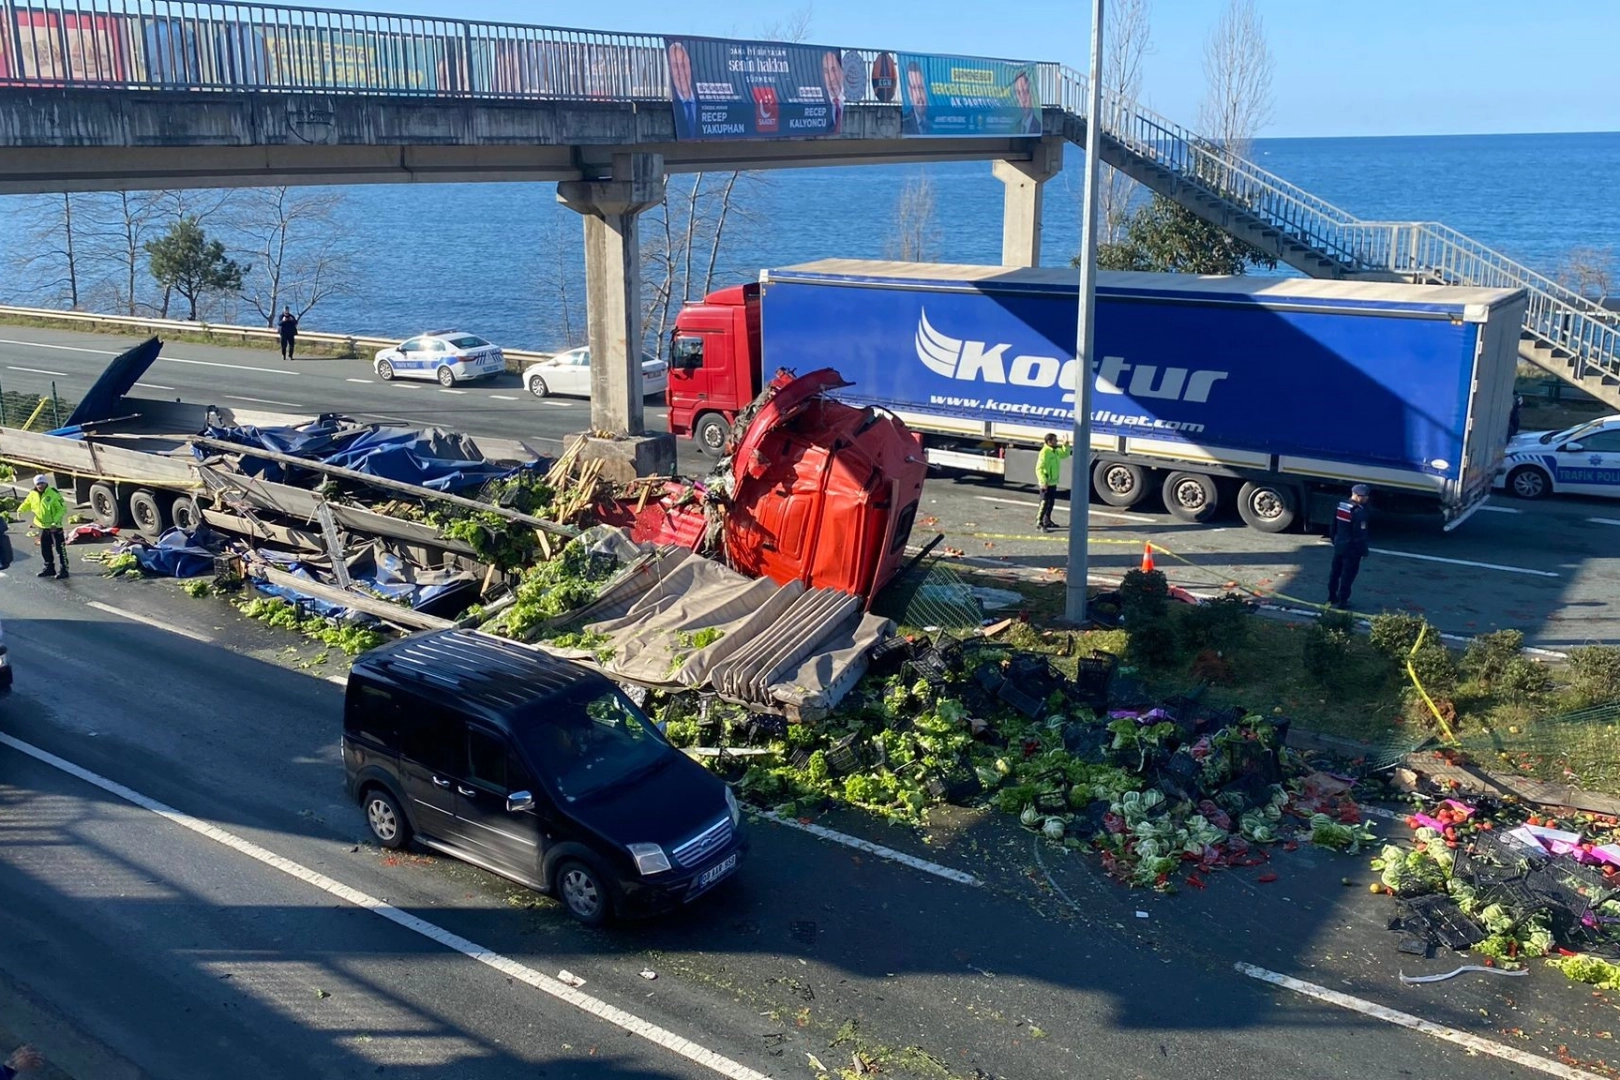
[(946, 96), (723, 90)]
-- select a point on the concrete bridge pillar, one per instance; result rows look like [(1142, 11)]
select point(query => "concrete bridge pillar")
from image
[(1021, 201), (611, 209)]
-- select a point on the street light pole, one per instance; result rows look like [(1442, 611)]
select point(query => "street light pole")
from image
[(1085, 339)]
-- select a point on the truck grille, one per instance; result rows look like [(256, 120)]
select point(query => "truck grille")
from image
[(704, 844)]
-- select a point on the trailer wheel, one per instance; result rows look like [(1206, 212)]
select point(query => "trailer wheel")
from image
[(1119, 483), (104, 508), (1191, 497), (146, 512), (1268, 508), (711, 432), (186, 513)]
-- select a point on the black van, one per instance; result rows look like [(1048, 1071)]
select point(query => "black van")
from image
[(536, 769)]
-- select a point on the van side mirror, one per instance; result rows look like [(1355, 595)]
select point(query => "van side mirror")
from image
[(519, 801)]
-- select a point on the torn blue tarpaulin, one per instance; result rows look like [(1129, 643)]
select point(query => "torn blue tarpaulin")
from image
[(384, 575), (431, 458), (176, 554)]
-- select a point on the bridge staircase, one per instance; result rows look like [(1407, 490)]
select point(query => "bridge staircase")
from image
[(1565, 333)]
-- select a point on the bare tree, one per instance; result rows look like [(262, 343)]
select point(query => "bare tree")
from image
[(299, 250), (1127, 40), (1589, 271), (561, 271), (916, 232), (53, 226), (1237, 72), (117, 227)]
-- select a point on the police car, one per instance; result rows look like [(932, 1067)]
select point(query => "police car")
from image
[(1582, 460), (449, 356)]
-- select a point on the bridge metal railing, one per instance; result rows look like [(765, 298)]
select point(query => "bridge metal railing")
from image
[(1558, 317), (184, 44)]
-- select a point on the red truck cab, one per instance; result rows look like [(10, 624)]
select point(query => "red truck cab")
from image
[(714, 365)]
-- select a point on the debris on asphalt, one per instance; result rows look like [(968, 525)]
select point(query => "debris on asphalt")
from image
[(649, 974), (568, 978), (1413, 980), (1509, 883)]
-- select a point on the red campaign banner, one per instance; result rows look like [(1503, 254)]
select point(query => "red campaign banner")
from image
[(51, 49)]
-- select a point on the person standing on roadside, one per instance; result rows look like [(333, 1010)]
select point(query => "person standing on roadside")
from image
[(50, 514), (1048, 471), (22, 1059), (287, 329), (1349, 535)]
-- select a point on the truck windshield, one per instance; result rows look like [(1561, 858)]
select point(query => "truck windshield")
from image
[(686, 352), (592, 743)]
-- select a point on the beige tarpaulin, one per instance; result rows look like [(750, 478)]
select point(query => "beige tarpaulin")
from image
[(779, 647)]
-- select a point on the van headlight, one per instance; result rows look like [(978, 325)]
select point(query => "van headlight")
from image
[(650, 859), (731, 804)]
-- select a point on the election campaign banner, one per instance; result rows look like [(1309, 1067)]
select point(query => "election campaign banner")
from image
[(756, 89), (53, 48), (944, 96)]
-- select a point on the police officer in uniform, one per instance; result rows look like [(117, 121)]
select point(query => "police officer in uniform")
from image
[(1349, 535)]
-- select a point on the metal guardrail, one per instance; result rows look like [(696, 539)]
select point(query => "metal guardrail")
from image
[(181, 44), (228, 331)]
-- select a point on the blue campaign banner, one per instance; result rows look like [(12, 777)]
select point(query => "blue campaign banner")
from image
[(964, 96), (1245, 377), (240, 56), (757, 89)]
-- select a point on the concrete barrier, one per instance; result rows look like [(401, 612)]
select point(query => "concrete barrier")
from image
[(354, 344)]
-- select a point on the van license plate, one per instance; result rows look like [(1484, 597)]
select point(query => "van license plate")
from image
[(715, 873)]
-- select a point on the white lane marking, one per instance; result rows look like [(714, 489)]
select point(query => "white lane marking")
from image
[(156, 624), (337, 680), (557, 404), (1472, 1043), (264, 401), (470, 949), (1063, 508), (503, 397), (447, 390), (39, 371), (364, 381), (230, 367), (63, 348), (390, 419), (1500, 510), (152, 386), (1603, 521), (958, 876), (396, 384), (1463, 562)]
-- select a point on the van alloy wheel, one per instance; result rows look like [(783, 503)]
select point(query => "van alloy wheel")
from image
[(582, 893)]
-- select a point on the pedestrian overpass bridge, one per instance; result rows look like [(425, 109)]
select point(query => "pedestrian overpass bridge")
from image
[(125, 94)]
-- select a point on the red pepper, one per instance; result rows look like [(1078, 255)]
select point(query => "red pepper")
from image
[(1266, 878), (1195, 881)]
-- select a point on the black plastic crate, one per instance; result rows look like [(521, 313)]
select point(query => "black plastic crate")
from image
[(890, 655), (845, 756), (1020, 699), (957, 787), (1093, 677), (1436, 918)]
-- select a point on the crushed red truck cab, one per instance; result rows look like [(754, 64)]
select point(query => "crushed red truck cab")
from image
[(819, 492)]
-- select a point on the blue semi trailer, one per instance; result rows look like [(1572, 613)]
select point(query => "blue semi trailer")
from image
[(1270, 394)]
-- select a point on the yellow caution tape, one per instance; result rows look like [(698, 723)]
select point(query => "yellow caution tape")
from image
[(1416, 645)]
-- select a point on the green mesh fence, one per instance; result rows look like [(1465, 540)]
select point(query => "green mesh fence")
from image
[(932, 597), (1580, 748)]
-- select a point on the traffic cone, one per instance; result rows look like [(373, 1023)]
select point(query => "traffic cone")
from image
[(1147, 557)]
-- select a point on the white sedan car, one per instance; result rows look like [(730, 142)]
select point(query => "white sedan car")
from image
[(569, 373), (449, 356), (1582, 460)]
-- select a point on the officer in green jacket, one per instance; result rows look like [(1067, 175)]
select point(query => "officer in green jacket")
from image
[(1048, 470), (50, 513)]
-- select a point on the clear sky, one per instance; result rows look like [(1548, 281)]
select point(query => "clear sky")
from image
[(1343, 67)]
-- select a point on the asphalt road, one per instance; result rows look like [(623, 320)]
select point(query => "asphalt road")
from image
[(158, 951), (1550, 569)]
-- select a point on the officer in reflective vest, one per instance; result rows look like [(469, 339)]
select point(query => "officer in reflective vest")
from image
[(1349, 535)]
